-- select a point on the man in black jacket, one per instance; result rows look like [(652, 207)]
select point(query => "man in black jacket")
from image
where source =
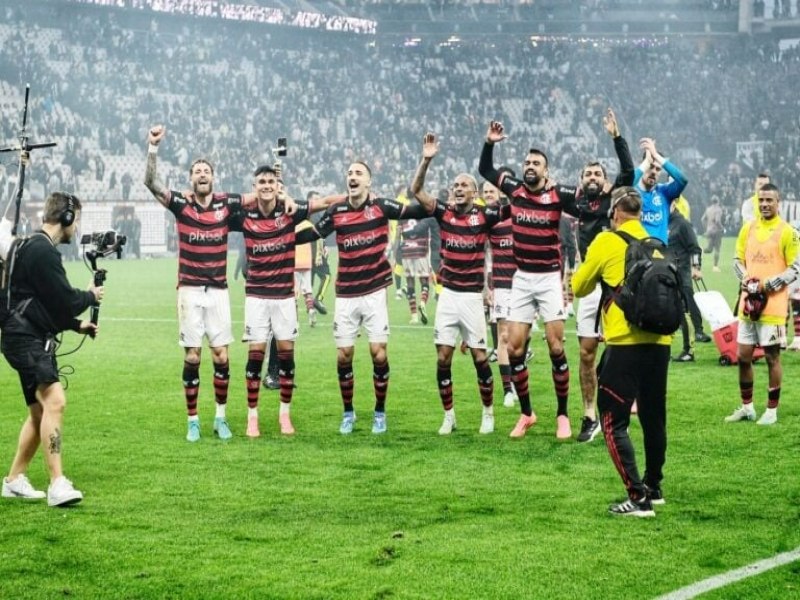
[(687, 252), (41, 304), (594, 203)]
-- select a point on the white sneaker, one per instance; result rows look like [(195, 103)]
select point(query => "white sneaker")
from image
[(312, 317), (449, 423), (414, 319), (21, 488), (770, 417), (510, 399), (795, 345), (745, 412), (570, 310), (487, 421), (62, 493)]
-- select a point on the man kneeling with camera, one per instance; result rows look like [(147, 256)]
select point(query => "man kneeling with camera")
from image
[(38, 303)]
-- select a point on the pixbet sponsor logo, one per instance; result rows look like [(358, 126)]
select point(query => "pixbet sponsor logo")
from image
[(269, 247), (356, 241), (205, 236), (461, 243)]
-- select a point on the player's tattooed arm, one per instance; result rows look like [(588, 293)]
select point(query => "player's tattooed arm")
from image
[(151, 180)]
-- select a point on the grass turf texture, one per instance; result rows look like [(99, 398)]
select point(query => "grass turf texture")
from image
[(406, 515)]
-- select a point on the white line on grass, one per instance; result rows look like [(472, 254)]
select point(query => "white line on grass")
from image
[(718, 581)]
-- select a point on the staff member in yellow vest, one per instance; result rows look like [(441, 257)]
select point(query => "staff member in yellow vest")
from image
[(766, 263), (633, 367)]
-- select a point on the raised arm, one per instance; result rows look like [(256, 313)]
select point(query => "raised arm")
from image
[(626, 168), (494, 135), (430, 147), (156, 187)]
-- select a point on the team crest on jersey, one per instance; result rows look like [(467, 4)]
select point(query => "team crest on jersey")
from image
[(474, 221), (280, 222), (368, 214), (219, 215)]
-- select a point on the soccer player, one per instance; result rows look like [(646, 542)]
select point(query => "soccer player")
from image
[(464, 234), (503, 267), (362, 236), (766, 263), (415, 252), (270, 308), (657, 197), (202, 219), (535, 215), (593, 210)]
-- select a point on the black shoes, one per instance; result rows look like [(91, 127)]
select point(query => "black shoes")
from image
[(633, 508), (683, 357), (655, 495), (589, 430), (702, 337)]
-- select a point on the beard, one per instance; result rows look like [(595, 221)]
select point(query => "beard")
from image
[(592, 192), (532, 180)]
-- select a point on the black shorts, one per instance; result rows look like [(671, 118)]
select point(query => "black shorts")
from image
[(34, 359)]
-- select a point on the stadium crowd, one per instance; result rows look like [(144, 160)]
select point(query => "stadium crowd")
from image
[(226, 93)]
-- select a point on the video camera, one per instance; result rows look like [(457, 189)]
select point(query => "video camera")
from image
[(105, 244)]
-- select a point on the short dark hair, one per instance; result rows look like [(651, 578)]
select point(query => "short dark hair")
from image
[(311, 193), (198, 161), (540, 153), (594, 163), (763, 176), (769, 187), (56, 204), (365, 165), (508, 171), (264, 169)]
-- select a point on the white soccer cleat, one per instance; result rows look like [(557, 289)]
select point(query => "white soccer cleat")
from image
[(795, 345), (510, 399), (449, 423), (745, 412), (770, 417), (487, 421)]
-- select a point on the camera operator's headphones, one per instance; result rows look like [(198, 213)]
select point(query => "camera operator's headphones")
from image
[(67, 217)]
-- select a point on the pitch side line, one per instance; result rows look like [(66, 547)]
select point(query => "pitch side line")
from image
[(718, 581)]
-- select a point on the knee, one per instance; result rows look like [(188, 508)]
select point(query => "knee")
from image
[(588, 356)]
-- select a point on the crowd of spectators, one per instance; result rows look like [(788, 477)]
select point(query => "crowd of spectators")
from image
[(226, 91)]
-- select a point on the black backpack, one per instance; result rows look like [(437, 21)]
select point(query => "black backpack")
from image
[(650, 295)]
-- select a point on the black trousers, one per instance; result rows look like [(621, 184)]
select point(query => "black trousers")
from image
[(625, 374), (694, 312)]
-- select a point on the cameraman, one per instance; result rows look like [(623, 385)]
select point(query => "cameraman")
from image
[(42, 304)]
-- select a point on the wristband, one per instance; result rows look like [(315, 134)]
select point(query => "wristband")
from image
[(152, 149)]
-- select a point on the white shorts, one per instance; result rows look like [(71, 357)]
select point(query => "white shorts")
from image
[(369, 311), (204, 312), (537, 293), (267, 317), (586, 319), (460, 312), (302, 282), (416, 267), (751, 333), (501, 305)]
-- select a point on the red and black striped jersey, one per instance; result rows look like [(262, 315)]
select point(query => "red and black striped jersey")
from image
[(414, 239), (362, 236), (501, 241), (535, 218), (203, 237), (270, 245), (463, 250)]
